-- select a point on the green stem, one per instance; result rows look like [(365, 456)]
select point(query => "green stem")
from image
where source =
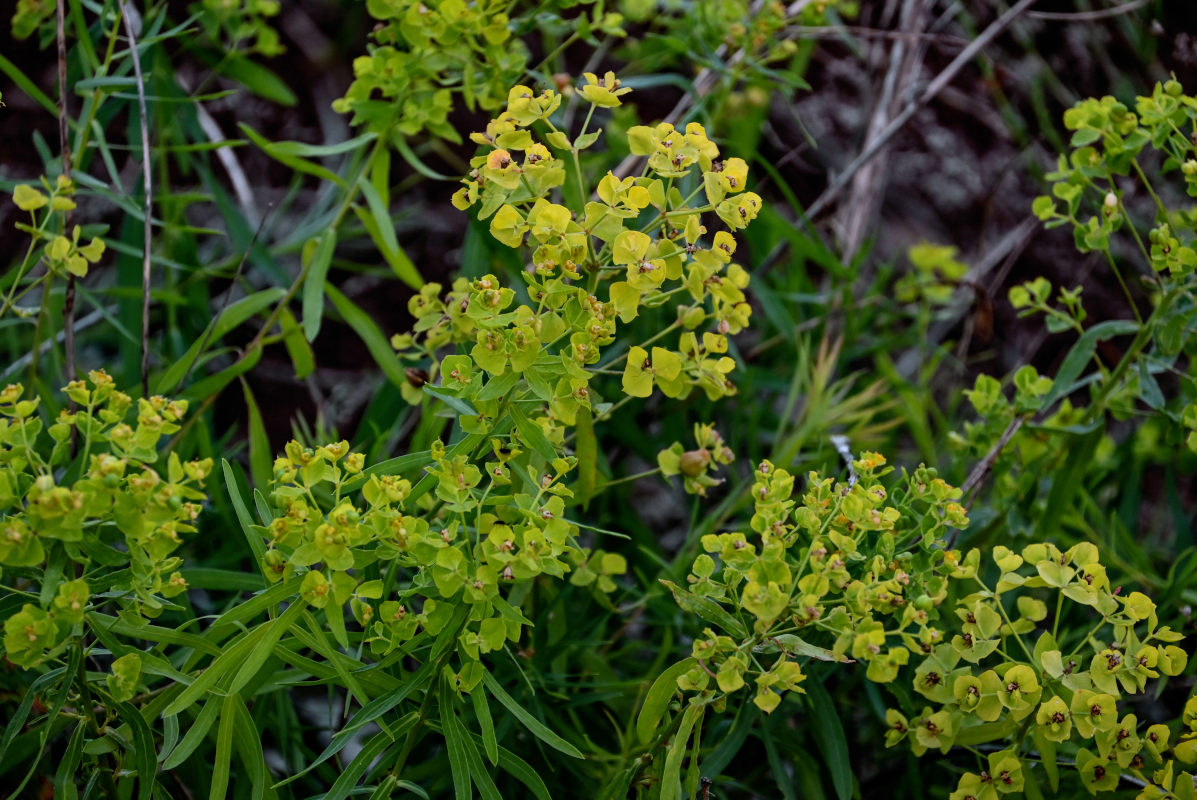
[(37, 333), (1132, 352), (629, 478), (414, 734), (1147, 185), (1125, 289)]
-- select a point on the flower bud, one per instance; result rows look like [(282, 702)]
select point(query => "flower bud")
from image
[(693, 463)]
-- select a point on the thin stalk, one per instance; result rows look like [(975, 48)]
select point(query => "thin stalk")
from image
[(149, 201), (68, 310), (1132, 352)]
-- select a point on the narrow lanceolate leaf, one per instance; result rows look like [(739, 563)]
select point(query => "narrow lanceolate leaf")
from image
[(355, 769), (260, 455), (265, 647), (482, 712), (233, 483), (459, 765), (249, 749), (195, 734), (586, 450), (382, 230), (232, 658), (17, 721), (535, 726), (829, 736), (224, 749), (235, 314), (1066, 379), (656, 702), (295, 162), (519, 769), (144, 755), (313, 282), (532, 434), (296, 342), (671, 777), (708, 609)]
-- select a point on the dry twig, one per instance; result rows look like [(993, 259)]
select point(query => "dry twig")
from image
[(897, 123)]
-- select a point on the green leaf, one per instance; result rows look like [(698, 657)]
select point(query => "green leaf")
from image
[(482, 712), (214, 384), (369, 333), (708, 609), (195, 734), (586, 450), (414, 161), (519, 769), (531, 434), (249, 749), (459, 765), (382, 230), (233, 481), (143, 752), (17, 721), (234, 619), (224, 749), (656, 701), (232, 317), (778, 767), (355, 769), (296, 342), (150, 633), (1149, 389), (1066, 380), (498, 387), (797, 646), (260, 455), (258, 79), (1047, 755), (535, 726), (68, 766), (233, 656), (265, 648), (829, 736), (366, 714), (294, 162), (314, 280), (321, 150), (456, 403), (27, 86), (671, 777)]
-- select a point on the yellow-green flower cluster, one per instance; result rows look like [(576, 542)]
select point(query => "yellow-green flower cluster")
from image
[(995, 671), (106, 509), (334, 519), (427, 55), (590, 267), (837, 568), (62, 254)]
